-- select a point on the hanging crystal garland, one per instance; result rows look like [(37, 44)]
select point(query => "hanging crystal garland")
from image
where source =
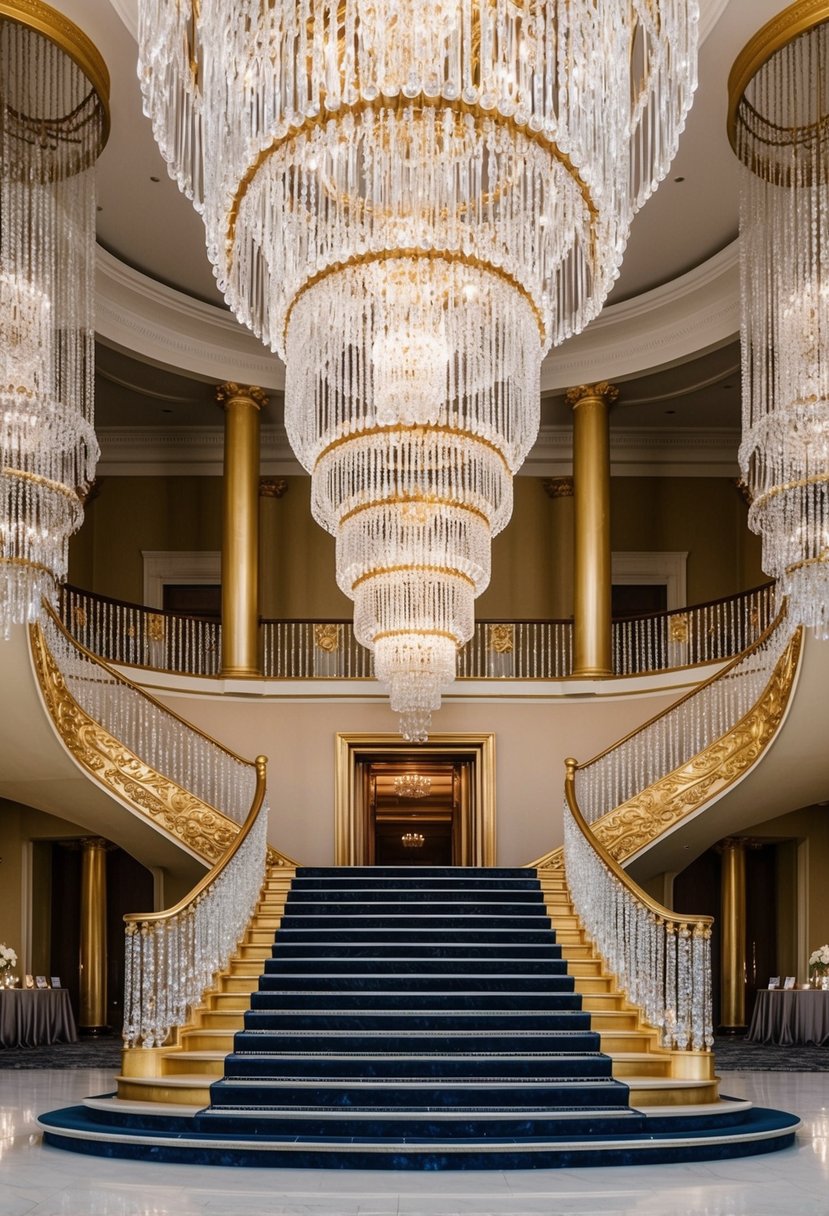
[(410, 201), (779, 128), (53, 124)]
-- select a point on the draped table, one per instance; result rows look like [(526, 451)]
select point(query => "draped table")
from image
[(799, 1015), (31, 1017)]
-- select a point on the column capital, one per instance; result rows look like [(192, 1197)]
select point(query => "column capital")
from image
[(601, 390), (558, 487), (230, 391), (272, 487)]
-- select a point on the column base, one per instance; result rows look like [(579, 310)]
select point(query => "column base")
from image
[(592, 673), (235, 673)]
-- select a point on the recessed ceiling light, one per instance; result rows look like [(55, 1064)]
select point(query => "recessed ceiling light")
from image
[(679, 179), (670, 411), (154, 179)]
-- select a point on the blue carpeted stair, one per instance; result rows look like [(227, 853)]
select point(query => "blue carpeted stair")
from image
[(419, 1018)]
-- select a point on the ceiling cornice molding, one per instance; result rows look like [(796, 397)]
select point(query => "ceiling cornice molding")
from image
[(699, 311), (634, 452), (696, 312), (146, 318)]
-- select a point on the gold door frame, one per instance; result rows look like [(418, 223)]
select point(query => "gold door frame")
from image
[(351, 801)]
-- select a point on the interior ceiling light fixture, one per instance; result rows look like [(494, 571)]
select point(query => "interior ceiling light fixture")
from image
[(412, 785), (779, 128), (410, 201), (413, 840), (54, 121)]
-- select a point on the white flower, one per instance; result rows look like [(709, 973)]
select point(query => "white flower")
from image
[(819, 959), (8, 958)]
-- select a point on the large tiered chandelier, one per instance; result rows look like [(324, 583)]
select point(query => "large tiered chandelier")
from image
[(410, 201), (779, 127), (53, 124)]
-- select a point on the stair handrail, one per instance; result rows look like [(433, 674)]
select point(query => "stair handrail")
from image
[(685, 728), (166, 743), (661, 959), (171, 957)]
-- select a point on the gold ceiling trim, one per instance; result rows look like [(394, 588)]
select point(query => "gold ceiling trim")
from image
[(199, 827), (659, 808)]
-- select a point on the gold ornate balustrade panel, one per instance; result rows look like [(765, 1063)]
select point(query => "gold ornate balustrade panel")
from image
[(637, 822), (202, 829)]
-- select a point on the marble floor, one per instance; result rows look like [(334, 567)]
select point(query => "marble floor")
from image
[(47, 1182)]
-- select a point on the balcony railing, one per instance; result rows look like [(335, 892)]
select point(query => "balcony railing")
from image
[(133, 635)]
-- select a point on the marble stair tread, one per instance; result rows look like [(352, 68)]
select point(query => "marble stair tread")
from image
[(176, 1080), (127, 1106)]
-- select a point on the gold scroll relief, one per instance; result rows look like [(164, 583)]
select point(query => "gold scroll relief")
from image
[(202, 829), (641, 819)]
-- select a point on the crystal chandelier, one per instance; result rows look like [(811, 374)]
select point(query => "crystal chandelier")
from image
[(410, 201), (413, 840), (779, 128), (54, 122), (412, 785)]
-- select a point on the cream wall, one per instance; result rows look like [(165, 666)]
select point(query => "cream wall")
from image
[(530, 560), (532, 741)]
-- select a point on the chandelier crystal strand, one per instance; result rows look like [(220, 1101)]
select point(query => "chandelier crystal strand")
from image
[(53, 125), (410, 201), (780, 131)]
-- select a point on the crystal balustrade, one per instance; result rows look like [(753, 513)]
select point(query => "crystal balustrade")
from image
[(121, 632), (661, 960), (133, 635), (172, 956), (683, 730), (168, 744)]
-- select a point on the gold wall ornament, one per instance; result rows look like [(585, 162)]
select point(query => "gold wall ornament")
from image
[(550, 863), (200, 828), (327, 638), (501, 638), (678, 627), (155, 627), (558, 487), (273, 487), (643, 818)]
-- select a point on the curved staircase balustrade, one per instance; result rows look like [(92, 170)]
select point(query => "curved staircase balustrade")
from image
[(163, 767), (155, 639), (661, 960), (172, 956), (671, 765)]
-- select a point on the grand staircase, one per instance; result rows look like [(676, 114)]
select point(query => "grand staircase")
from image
[(417, 1018)]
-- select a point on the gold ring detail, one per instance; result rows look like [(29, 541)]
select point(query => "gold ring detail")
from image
[(405, 567), (405, 499), (396, 104), (45, 20), (800, 484), (453, 257), (399, 429)]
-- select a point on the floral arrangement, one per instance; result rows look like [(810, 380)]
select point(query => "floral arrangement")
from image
[(819, 962), (8, 958)]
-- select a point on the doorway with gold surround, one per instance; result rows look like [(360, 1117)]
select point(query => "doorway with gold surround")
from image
[(430, 804)]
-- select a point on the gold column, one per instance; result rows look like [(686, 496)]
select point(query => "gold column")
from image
[(240, 528), (271, 489), (560, 490), (93, 972), (591, 404), (733, 934)]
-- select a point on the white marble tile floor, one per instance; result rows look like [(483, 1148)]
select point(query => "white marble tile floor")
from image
[(39, 1181)]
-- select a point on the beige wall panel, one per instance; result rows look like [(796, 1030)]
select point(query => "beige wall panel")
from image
[(531, 744), (705, 516)]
